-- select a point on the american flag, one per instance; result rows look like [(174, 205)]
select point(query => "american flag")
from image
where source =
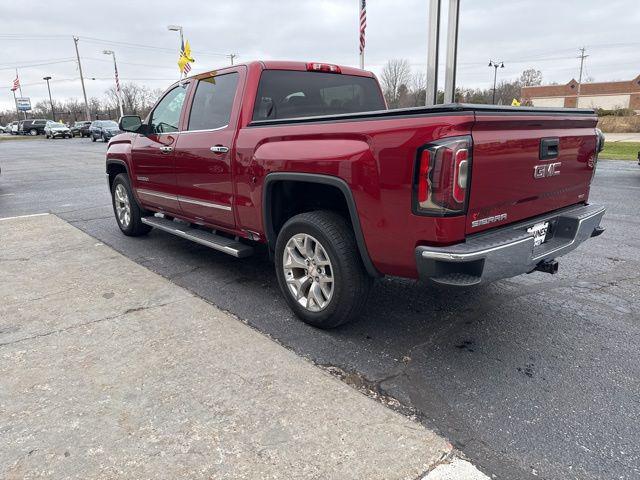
[(16, 84), (363, 23)]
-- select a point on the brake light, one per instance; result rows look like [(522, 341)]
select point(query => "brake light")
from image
[(323, 67), (443, 177)]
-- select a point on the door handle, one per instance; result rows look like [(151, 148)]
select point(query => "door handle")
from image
[(219, 149), (166, 149)]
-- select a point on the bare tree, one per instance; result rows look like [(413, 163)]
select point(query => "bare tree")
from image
[(395, 73), (531, 77)]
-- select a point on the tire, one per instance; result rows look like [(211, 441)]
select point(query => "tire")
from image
[(104, 138), (93, 139), (350, 282), (33, 132), (134, 227), (46, 135)]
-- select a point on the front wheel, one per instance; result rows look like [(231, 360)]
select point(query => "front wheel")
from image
[(319, 269), (93, 139), (128, 212), (33, 132)]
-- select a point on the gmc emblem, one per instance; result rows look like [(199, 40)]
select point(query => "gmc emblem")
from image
[(548, 170)]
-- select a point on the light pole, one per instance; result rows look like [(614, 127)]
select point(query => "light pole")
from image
[(495, 66), (115, 68), (53, 112), (178, 28)]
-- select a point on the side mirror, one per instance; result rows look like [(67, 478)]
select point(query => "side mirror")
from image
[(130, 123)]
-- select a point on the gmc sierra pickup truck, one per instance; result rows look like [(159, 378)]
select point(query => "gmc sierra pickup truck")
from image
[(305, 158)]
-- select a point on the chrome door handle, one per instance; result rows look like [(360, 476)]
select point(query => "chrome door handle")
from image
[(219, 149), (166, 149)]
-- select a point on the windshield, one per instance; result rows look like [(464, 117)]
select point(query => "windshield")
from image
[(109, 124)]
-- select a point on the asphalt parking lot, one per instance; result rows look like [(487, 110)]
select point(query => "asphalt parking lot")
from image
[(537, 376)]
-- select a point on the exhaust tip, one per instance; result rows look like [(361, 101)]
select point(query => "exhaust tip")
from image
[(548, 266)]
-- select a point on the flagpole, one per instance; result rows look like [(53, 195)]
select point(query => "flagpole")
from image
[(362, 10), (15, 102), (14, 94)]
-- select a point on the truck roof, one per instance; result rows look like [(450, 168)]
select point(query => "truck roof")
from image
[(288, 65)]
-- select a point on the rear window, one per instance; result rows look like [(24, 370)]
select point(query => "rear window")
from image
[(291, 94)]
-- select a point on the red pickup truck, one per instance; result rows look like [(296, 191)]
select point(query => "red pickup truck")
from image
[(305, 158)]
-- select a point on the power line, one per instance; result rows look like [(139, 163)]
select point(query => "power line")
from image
[(53, 62)]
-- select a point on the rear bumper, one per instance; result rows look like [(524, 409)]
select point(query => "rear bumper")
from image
[(508, 251)]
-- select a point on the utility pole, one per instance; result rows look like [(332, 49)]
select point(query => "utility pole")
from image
[(581, 57), (232, 56), (84, 91), (53, 112), (495, 66)]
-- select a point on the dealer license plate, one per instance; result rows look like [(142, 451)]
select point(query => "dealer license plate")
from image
[(539, 231)]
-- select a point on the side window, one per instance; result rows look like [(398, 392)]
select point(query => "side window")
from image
[(166, 115), (213, 101)]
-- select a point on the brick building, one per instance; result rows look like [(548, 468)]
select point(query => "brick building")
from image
[(607, 95)]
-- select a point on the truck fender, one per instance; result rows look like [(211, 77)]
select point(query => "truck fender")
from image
[(270, 234)]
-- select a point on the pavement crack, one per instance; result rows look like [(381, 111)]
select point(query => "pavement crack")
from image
[(91, 322)]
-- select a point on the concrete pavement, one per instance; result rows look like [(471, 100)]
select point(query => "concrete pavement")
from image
[(622, 137), (108, 370)]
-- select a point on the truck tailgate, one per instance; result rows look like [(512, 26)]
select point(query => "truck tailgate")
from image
[(527, 165)]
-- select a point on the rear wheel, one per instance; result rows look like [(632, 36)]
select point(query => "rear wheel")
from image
[(319, 269), (33, 132), (128, 212)]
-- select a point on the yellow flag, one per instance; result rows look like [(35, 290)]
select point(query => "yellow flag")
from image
[(185, 58), (515, 103)]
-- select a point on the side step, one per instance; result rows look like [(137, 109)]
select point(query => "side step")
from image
[(208, 239)]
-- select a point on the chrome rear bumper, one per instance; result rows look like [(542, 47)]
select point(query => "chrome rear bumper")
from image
[(508, 251)]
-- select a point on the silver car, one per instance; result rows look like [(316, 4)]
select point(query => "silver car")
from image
[(54, 129)]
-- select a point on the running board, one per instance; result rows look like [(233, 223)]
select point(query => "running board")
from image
[(208, 239)]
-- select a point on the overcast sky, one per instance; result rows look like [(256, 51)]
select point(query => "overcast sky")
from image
[(543, 34)]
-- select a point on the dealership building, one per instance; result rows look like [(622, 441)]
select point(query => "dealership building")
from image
[(606, 95)]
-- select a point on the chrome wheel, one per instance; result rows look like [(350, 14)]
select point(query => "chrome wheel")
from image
[(308, 272), (123, 205)]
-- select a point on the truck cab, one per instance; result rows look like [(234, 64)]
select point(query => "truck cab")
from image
[(305, 158)]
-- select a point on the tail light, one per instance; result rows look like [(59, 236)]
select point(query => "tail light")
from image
[(323, 67), (592, 163), (442, 177)]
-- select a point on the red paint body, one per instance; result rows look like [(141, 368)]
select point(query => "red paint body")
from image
[(376, 157)]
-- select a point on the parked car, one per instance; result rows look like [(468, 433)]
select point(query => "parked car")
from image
[(2, 129), (32, 127), (12, 127), (80, 129), (304, 157), (56, 129), (103, 129)]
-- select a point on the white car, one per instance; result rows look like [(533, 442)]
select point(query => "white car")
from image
[(12, 128), (54, 129)]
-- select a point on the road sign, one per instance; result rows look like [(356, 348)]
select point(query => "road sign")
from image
[(23, 104)]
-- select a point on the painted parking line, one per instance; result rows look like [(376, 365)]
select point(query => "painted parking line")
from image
[(24, 216)]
